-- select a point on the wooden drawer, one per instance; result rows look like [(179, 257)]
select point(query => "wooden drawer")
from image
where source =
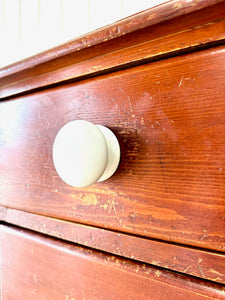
[(37, 267), (170, 119)]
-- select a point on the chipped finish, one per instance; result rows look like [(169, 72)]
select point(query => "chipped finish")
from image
[(86, 199), (160, 32), (67, 271)]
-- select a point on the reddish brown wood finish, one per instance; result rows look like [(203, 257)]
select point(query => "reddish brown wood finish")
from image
[(164, 31), (170, 119), (196, 262), (36, 267)]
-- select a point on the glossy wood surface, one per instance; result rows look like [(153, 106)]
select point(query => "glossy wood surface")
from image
[(164, 31), (196, 262), (170, 119), (37, 267)]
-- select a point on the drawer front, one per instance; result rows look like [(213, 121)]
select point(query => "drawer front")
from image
[(37, 267), (170, 119)]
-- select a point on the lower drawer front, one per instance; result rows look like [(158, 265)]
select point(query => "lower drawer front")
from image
[(170, 119), (38, 267)]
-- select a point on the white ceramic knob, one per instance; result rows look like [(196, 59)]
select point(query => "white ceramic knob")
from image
[(84, 153)]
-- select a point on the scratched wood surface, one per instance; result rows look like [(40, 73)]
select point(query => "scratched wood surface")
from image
[(193, 261), (170, 119), (37, 267), (170, 29)]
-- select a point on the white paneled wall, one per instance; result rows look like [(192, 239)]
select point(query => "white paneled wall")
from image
[(28, 27)]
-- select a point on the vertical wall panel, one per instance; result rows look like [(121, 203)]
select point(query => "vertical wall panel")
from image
[(31, 26), (104, 12), (10, 41), (75, 18), (29, 43), (2, 32), (50, 33), (2, 18), (131, 7)]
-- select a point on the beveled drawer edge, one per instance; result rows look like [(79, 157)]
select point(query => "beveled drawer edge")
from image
[(75, 270), (196, 262)]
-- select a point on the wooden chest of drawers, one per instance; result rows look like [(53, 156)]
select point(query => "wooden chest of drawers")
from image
[(156, 229)]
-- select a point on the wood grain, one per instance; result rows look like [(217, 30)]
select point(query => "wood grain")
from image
[(196, 262), (170, 119), (43, 268), (170, 29)]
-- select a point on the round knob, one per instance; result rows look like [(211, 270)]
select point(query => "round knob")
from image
[(84, 153)]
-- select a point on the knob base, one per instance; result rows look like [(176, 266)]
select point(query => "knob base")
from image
[(113, 152)]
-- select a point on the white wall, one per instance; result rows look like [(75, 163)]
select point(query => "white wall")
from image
[(28, 27)]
